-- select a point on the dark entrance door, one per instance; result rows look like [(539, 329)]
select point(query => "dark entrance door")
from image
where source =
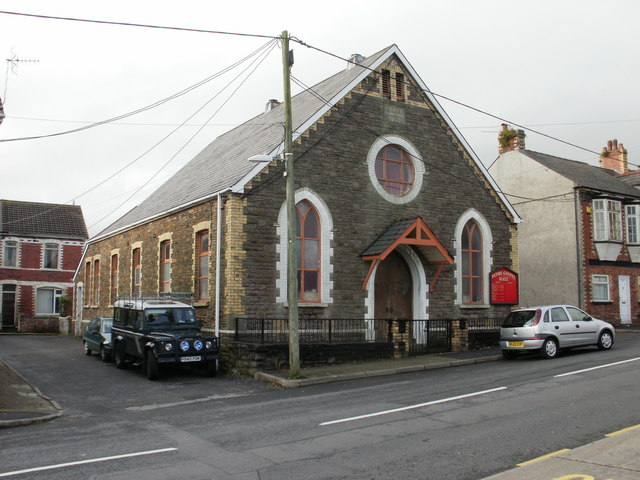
[(393, 290), (8, 306)]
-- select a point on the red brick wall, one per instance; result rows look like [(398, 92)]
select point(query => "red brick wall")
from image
[(609, 311), (31, 255)]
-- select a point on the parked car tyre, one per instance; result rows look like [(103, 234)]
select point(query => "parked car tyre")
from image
[(87, 350), (605, 340), (549, 348), (105, 354), (150, 366), (211, 368), (119, 355)]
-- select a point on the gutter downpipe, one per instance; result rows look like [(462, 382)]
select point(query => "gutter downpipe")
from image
[(580, 247), (218, 255)]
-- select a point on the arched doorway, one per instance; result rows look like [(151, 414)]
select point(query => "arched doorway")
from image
[(393, 289)]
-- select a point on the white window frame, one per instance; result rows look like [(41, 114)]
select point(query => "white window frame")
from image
[(57, 293), (600, 280), (607, 220), (58, 255), (632, 221), (6, 247), (487, 257), (416, 159), (326, 250)]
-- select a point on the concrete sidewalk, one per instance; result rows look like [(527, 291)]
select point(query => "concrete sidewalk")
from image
[(21, 403), (378, 368), (614, 457)]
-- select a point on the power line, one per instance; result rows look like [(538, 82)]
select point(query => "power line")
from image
[(145, 108), (258, 61), (257, 52), (129, 124), (140, 25), (378, 135), (462, 104)]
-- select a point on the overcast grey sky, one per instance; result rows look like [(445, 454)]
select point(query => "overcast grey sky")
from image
[(567, 68)]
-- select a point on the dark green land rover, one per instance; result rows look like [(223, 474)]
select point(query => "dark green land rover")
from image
[(159, 331)]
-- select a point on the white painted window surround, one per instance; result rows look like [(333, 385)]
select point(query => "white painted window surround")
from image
[(416, 158), (326, 253), (487, 255)]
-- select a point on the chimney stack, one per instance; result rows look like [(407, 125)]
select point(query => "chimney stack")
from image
[(354, 60), (510, 139), (271, 104), (614, 157)]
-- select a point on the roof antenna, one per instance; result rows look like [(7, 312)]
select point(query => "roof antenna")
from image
[(13, 62)]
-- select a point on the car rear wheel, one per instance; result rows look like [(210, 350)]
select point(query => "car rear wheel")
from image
[(150, 366), (87, 350), (549, 348), (605, 340)]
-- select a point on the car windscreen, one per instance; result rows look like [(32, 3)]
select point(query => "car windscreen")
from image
[(170, 316), (107, 323), (520, 319)]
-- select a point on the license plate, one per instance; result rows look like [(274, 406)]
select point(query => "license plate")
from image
[(190, 359), (516, 344)]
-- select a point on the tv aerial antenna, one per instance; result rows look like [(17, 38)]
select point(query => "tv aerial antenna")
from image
[(12, 63)]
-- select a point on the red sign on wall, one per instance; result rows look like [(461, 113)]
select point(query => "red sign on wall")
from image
[(504, 287)]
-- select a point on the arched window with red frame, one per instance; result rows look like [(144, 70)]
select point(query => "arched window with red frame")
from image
[(472, 264), (308, 238)]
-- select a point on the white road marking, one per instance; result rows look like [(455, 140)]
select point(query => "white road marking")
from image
[(596, 368), (413, 407), (156, 406), (91, 460)]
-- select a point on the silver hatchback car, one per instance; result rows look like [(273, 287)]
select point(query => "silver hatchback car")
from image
[(551, 328)]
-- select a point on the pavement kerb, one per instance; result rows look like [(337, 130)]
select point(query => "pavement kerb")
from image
[(305, 382), (28, 421)]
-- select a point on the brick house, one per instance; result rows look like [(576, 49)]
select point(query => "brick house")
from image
[(397, 217), (42, 244), (580, 239)]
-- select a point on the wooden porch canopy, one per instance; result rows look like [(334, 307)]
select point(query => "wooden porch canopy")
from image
[(407, 232)]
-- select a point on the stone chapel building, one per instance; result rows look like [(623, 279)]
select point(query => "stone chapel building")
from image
[(397, 217)]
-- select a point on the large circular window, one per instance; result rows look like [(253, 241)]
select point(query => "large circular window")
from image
[(395, 169)]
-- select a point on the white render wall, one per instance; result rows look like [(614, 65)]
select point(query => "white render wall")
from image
[(547, 240)]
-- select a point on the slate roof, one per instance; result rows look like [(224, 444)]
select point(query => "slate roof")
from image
[(385, 240), (48, 220), (631, 178), (585, 175), (224, 162), (223, 165)]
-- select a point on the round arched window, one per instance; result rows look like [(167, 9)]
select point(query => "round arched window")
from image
[(394, 170)]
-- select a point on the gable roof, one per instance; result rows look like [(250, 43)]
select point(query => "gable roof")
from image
[(42, 220), (223, 165), (585, 175)]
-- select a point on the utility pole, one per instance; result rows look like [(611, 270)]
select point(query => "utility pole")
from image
[(292, 254)]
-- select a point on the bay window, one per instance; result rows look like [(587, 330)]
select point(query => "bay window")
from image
[(607, 220)]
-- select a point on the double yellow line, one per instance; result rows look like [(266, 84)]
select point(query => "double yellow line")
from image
[(559, 452)]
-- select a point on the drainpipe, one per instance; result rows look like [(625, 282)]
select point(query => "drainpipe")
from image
[(579, 248), (218, 255)]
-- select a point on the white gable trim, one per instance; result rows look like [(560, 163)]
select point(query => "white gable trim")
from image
[(350, 86)]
